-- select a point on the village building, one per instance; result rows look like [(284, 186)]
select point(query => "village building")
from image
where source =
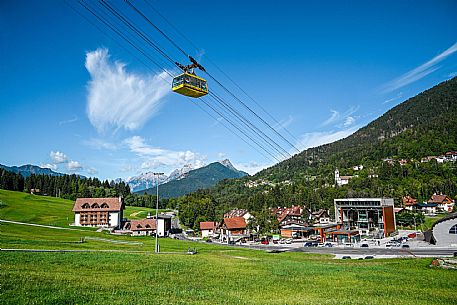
[(408, 202), (291, 221), (425, 208), (98, 212), (142, 227), (320, 217), (148, 226), (208, 228), (368, 216), (451, 156), (341, 180), (232, 229), (239, 213), (444, 202), (443, 232)]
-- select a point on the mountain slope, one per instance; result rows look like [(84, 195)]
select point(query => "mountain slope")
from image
[(203, 177), (27, 170), (425, 125)]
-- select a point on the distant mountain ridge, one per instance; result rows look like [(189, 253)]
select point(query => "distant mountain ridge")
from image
[(29, 169), (200, 178)]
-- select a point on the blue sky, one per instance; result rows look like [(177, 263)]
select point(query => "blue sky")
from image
[(76, 100)]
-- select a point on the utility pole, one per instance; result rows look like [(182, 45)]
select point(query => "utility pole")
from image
[(157, 213)]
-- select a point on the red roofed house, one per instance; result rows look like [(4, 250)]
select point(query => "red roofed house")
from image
[(208, 228), (232, 229), (444, 202), (409, 202), (98, 212), (291, 215), (143, 227)]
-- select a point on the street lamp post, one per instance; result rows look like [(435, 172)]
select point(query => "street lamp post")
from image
[(157, 213)]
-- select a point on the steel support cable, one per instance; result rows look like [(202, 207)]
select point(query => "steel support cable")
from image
[(122, 36), (233, 120), (253, 112), (135, 29), (281, 151), (157, 28), (240, 130), (220, 84), (93, 12), (219, 69), (249, 125)]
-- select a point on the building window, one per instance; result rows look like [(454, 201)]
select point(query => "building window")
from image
[(453, 229)]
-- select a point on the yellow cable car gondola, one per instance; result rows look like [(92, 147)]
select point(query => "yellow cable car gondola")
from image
[(188, 83)]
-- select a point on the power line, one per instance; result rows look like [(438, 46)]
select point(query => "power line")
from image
[(224, 73), (158, 48)]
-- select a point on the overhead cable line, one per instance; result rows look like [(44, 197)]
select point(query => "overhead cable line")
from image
[(225, 74), (157, 48)]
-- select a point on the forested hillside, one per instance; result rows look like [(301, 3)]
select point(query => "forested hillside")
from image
[(425, 125)]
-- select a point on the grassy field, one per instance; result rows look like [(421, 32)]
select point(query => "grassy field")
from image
[(216, 275)]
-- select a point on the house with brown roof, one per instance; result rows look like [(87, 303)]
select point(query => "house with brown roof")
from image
[(232, 229), (290, 215), (208, 228), (409, 202), (143, 227), (98, 212), (321, 217), (444, 202)]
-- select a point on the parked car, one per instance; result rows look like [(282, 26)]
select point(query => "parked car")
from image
[(405, 246), (346, 257), (231, 242), (364, 246), (310, 244), (328, 245), (412, 235), (265, 242), (348, 245), (289, 241), (209, 241), (369, 257)]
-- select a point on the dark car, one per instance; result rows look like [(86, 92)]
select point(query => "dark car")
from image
[(369, 257), (209, 241), (310, 244), (364, 246), (346, 257), (405, 246), (231, 242)]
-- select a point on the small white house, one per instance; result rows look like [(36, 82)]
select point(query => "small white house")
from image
[(208, 228), (341, 180)]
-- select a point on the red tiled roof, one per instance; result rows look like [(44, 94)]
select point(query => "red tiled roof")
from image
[(98, 204), (235, 223), (408, 200), (293, 211), (207, 225), (439, 199), (143, 224)]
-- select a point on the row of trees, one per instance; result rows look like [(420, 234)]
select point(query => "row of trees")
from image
[(65, 186)]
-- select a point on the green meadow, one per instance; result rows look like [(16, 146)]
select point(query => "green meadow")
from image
[(215, 275)]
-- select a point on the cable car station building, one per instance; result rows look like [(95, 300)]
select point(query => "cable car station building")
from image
[(368, 216)]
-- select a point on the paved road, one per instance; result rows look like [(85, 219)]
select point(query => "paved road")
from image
[(422, 251)]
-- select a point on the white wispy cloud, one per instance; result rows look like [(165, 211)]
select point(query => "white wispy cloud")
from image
[(314, 139), (74, 166), (349, 121), (420, 71), (284, 123), (155, 157), (119, 99), (399, 95), (58, 157), (72, 120), (99, 144), (92, 171), (332, 119), (251, 167), (49, 165)]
